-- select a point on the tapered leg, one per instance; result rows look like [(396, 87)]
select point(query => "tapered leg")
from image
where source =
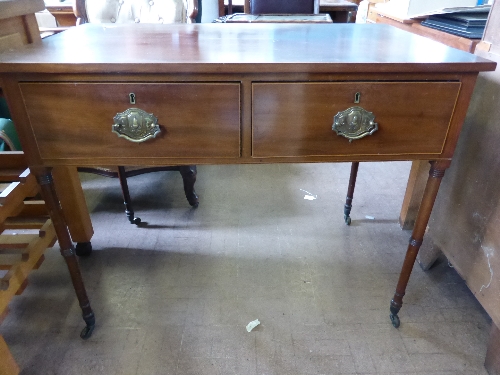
[(126, 197), (436, 174), (350, 192), (188, 174), (48, 192)]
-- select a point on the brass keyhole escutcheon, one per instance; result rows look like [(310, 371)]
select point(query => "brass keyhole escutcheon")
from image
[(132, 98), (357, 97)]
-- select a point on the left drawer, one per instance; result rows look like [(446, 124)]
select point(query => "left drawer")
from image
[(74, 120)]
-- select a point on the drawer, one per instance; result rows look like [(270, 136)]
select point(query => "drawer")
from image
[(295, 119), (74, 120)]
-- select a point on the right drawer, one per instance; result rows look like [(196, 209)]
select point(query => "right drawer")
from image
[(295, 119)]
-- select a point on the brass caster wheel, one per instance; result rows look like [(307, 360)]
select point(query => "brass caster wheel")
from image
[(347, 220), (87, 332), (395, 320), (193, 200), (136, 221)]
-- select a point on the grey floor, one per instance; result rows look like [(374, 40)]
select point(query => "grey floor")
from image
[(174, 296)]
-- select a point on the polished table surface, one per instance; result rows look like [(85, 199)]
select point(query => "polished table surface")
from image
[(208, 48), (238, 93)]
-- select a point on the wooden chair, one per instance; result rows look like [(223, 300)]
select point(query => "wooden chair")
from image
[(139, 11), (283, 7)]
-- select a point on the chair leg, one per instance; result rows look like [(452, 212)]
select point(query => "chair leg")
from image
[(126, 197), (188, 174), (350, 192)]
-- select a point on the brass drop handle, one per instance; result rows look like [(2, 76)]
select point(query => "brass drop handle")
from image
[(136, 125), (354, 123)]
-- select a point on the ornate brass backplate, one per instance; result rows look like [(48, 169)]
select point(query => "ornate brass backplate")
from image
[(136, 125), (354, 123)]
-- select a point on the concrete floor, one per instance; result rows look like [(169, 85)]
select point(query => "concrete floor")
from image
[(174, 296)]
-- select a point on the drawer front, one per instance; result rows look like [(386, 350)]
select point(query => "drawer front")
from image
[(295, 119), (74, 120)]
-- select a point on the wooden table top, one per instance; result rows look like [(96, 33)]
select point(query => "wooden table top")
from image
[(239, 48)]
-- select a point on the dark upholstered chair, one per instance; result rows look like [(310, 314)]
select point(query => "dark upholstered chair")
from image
[(284, 7), (139, 11)]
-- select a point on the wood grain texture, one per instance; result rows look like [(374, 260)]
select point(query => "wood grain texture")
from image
[(8, 365), (85, 127), (243, 48), (295, 119), (69, 190), (469, 199), (413, 195)]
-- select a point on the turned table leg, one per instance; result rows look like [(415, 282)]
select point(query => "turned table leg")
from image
[(47, 189), (129, 211), (350, 192), (436, 174)]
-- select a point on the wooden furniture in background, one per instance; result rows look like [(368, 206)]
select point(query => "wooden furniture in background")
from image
[(340, 11), (470, 196), (418, 172), (414, 26), (18, 24), (118, 11), (62, 12), (26, 231), (283, 7), (22, 253), (18, 27)]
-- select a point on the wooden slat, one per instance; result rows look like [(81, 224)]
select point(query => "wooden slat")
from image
[(12, 203), (15, 273), (8, 365), (8, 260), (3, 315), (40, 261), (13, 160), (22, 287), (13, 280), (9, 191), (11, 242), (33, 208), (10, 175), (24, 222)]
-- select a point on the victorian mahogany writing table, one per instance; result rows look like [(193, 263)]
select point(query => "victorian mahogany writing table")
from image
[(237, 93)]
